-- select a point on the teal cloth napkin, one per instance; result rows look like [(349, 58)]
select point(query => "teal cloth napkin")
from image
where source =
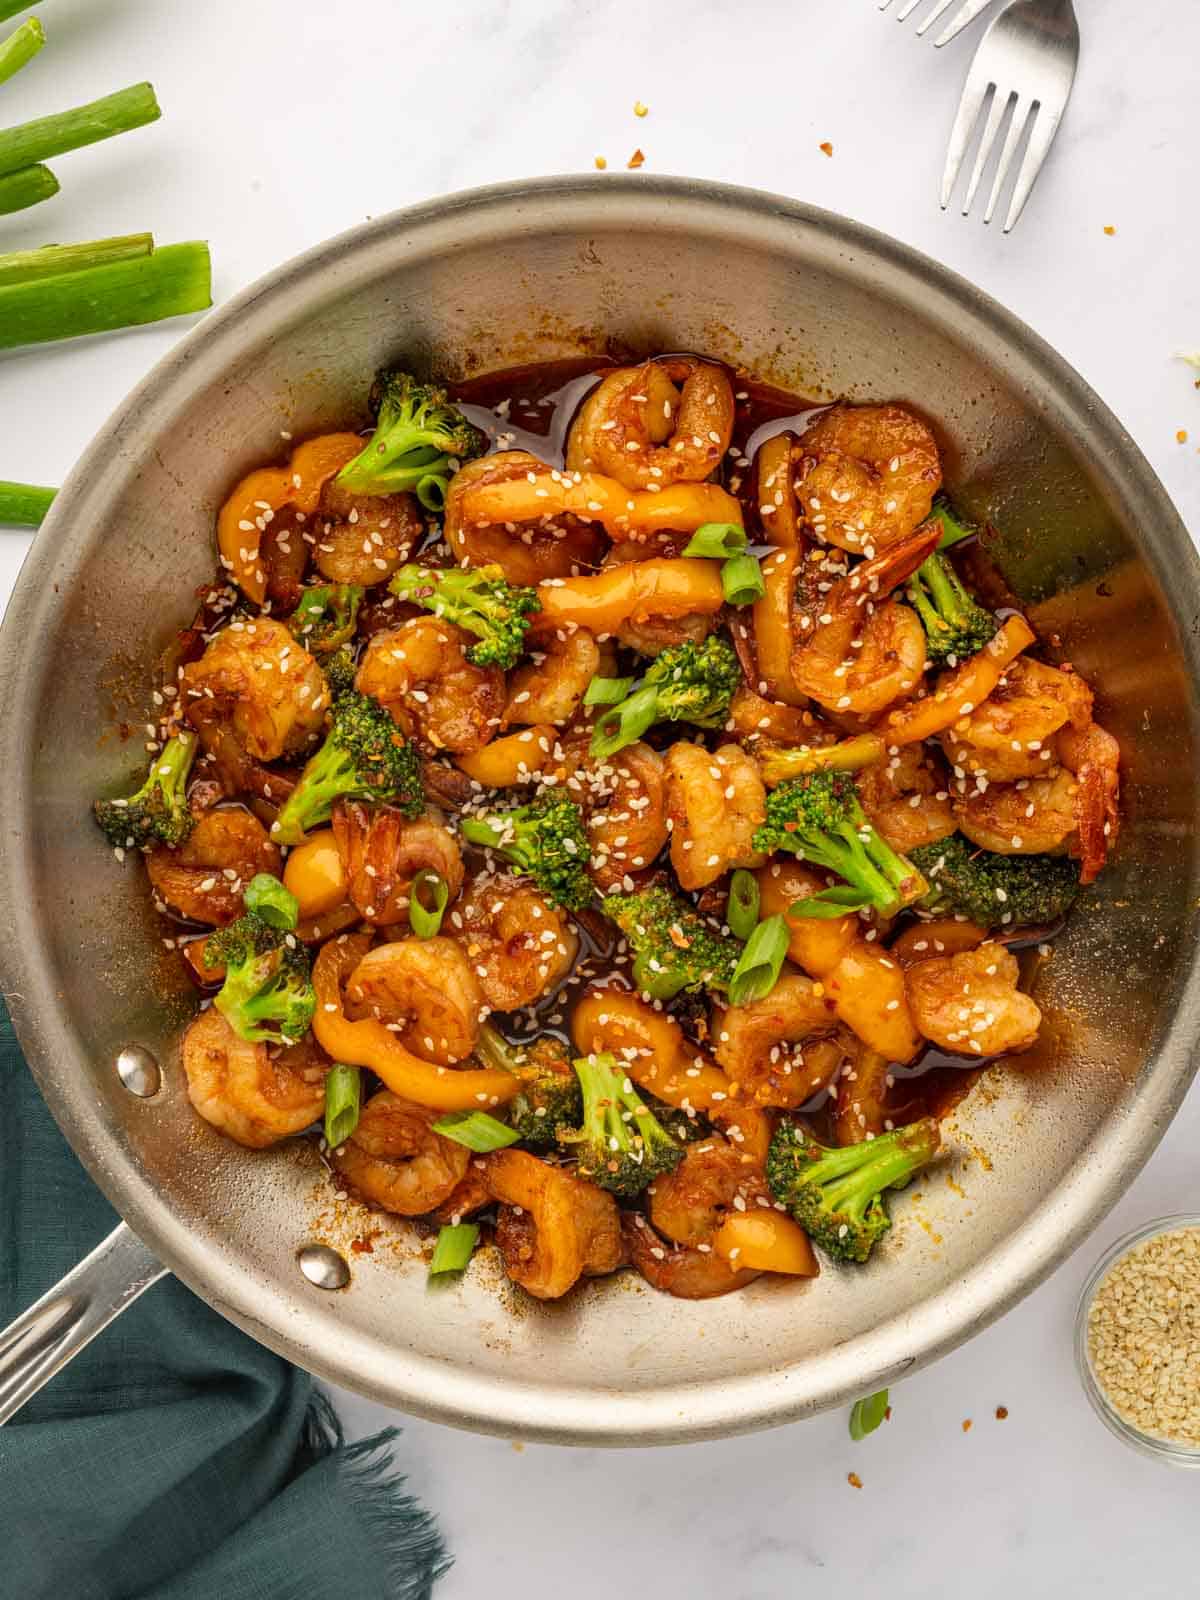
[(175, 1459)]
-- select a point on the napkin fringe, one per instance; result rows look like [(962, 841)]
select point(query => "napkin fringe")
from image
[(405, 1535)]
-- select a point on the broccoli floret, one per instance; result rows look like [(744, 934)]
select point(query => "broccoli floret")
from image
[(158, 813), (955, 624), (340, 669), (545, 840), (620, 1144), (266, 996), (836, 1195), (364, 757), (819, 819), (420, 440), (844, 755), (688, 683), (550, 1097), (325, 619), (673, 947), (993, 890), (478, 599)]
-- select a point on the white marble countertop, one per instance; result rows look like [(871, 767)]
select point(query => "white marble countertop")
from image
[(285, 124)]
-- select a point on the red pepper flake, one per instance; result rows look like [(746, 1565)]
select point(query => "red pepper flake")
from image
[(853, 1479), (966, 1427), (1109, 229), (825, 147), (1001, 1413), (637, 159), (362, 1247)]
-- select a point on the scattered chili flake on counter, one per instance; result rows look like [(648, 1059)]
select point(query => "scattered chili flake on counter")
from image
[(637, 159), (1181, 436), (1001, 1413), (1143, 1336), (825, 147), (853, 1479), (966, 1427), (601, 163), (1109, 229), (640, 108)]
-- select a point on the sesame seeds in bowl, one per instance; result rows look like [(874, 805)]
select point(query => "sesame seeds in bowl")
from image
[(1137, 1339)]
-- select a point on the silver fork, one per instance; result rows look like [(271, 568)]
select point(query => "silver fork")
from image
[(1026, 60), (967, 12)]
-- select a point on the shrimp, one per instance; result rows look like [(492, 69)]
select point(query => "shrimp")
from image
[(755, 717), (650, 635), (715, 801), (859, 655), (687, 1272), (1004, 738), (866, 476), (554, 1228), (623, 800), (906, 797), (420, 672), (528, 548), (1094, 757), (782, 1049), (204, 877), (638, 427), (427, 988), (255, 1095), (395, 1160), (362, 539), (518, 944), (688, 1204), (265, 684), (970, 1004), (551, 687), (860, 1110), (383, 851)]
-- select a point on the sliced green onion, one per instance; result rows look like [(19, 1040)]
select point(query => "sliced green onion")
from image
[(22, 266), (866, 1415), (28, 142), (9, 8), (453, 1248), (343, 1101), (826, 904), (120, 294), (607, 691), (717, 540), (431, 492), (20, 47), (952, 528), (742, 581), (27, 187), (626, 724), (741, 913), (478, 1130), (757, 972), (23, 505), (425, 920), (268, 899)]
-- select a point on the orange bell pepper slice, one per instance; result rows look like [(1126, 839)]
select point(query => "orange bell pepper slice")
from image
[(242, 520), (765, 1240), (632, 592)]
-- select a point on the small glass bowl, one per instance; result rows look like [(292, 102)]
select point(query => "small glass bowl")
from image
[(1173, 1453)]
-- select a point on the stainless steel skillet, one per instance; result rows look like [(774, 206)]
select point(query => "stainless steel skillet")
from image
[(485, 280)]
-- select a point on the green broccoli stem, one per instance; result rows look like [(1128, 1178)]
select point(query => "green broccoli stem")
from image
[(494, 1050), (54, 135), (20, 47), (953, 531), (23, 505), (847, 755), (23, 266), (29, 186), (119, 294), (851, 1175)]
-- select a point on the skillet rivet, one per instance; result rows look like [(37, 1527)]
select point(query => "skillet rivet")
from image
[(139, 1071), (323, 1266)]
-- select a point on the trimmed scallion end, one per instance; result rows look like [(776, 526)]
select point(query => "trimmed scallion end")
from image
[(757, 972), (343, 1103), (27, 187), (866, 1415), (427, 901), (607, 691), (170, 282), (267, 898), (452, 1251), (477, 1130), (23, 266), (742, 580), (716, 540), (741, 912), (23, 505), (9, 8), (20, 47), (27, 142)]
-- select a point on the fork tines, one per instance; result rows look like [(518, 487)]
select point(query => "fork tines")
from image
[(967, 12)]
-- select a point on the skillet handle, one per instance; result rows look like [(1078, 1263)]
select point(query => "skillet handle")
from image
[(56, 1327)]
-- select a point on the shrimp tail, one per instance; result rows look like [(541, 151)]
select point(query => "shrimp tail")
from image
[(1097, 813)]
